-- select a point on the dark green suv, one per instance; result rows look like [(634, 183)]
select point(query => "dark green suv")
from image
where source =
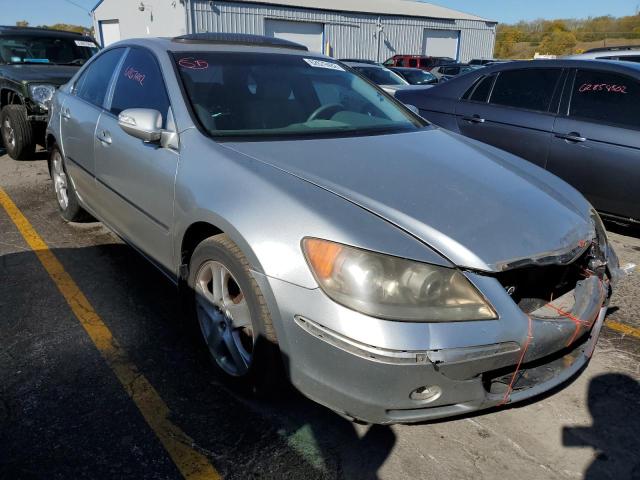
[(34, 62)]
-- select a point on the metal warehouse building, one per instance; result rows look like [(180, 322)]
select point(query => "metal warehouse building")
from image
[(367, 29)]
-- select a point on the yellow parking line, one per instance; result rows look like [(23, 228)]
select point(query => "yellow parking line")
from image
[(622, 328), (191, 463)]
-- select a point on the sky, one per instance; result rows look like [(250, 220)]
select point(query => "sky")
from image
[(38, 12)]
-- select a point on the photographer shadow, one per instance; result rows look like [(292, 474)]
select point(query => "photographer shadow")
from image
[(614, 404)]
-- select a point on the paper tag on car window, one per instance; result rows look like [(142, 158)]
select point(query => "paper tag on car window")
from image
[(83, 43), (322, 64)]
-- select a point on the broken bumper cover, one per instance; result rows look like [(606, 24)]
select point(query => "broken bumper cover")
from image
[(376, 383)]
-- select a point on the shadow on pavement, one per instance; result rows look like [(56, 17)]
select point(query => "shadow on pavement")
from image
[(63, 413), (38, 155), (614, 403)]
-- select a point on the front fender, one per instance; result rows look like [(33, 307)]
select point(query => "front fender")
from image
[(268, 212)]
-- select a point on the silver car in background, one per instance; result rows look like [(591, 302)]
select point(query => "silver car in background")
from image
[(388, 80), (393, 271)]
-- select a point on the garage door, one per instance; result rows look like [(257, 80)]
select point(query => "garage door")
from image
[(441, 43), (109, 32), (309, 34)]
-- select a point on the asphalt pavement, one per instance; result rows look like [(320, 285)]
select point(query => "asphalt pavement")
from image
[(66, 412)]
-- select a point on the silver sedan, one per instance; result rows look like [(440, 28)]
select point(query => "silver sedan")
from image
[(320, 231)]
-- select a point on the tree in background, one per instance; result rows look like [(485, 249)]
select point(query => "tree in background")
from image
[(565, 36), (558, 43), (65, 27), (68, 28)]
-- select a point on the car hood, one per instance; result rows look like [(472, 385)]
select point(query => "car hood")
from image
[(54, 74), (479, 207)]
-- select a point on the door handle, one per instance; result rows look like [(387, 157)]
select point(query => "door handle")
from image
[(572, 137), (474, 119), (105, 137), (66, 113)]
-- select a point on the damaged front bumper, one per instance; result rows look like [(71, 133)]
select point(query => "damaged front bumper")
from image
[(382, 371)]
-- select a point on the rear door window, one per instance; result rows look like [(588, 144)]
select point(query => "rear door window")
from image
[(140, 84), (93, 83), (607, 98), (530, 89), (479, 92), (413, 63)]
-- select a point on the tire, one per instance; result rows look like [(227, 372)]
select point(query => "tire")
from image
[(263, 375), (17, 134), (66, 195)]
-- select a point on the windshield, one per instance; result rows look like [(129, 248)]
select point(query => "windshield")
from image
[(381, 76), (251, 94), (40, 49), (419, 77)]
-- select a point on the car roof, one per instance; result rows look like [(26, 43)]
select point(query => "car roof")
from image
[(562, 63), (240, 43)]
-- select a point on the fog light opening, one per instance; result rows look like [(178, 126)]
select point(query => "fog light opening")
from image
[(426, 393)]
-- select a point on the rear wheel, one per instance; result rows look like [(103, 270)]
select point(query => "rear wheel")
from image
[(233, 317), (66, 195), (16, 131)]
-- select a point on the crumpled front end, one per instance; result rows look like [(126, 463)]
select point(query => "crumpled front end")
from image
[(550, 316)]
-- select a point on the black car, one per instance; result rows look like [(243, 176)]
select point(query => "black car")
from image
[(579, 119), (483, 61), (415, 76), (356, 60), (33, 63)]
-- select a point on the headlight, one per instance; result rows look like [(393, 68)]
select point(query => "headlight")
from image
[(394, 288), (42, 94)]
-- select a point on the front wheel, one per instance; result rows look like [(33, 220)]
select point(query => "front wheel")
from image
[(233, 317), (66, 195), (17, 134)]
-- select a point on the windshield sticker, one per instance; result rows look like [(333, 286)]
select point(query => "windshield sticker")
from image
[(602, 87), (37, 60), (193, 63), (322, 64), (133, 74), (83, 43)]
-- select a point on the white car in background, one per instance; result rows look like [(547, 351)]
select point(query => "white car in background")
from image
[(629, 53)]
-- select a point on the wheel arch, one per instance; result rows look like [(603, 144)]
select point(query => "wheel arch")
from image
[(208, 225), (9, 96), (195, 234)]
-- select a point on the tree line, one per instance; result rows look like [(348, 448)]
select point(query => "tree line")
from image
[(60, 26), (562, 37)]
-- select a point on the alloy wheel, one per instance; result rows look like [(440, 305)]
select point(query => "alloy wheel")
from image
[(224, 318), (8, 133), (60, 181)]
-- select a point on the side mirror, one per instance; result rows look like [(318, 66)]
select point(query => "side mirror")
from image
[(413, 108), (142, 123)]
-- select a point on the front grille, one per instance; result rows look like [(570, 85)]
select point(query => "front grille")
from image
[(532, 287)]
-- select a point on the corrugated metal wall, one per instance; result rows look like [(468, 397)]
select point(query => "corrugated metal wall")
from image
[(351, 35)]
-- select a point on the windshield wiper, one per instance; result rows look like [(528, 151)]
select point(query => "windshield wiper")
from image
[(30, 63)]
